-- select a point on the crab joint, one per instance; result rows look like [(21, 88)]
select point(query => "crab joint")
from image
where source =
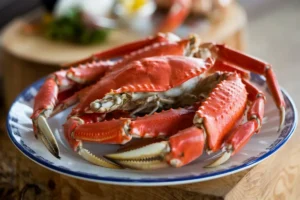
[(108, 103)]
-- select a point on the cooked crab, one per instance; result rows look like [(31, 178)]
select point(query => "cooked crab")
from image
[(192, 95)]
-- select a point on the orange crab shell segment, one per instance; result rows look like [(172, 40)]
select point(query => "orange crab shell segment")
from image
[(69, 127), (165, 123), (155, 74), (61, 80), (159, 74), (241, 136), (229, 97), (157, 49), (257, 109), (89, 72), (46, 98), (110, 132), (122, 49), (186, 146)]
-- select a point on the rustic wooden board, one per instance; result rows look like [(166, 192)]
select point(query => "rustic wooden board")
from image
[(276, 178)]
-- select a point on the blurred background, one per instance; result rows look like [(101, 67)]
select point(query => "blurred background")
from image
[(271, 33)]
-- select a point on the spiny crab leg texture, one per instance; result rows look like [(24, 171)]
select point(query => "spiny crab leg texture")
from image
[(90, 69), (221, 52), (242, 134)]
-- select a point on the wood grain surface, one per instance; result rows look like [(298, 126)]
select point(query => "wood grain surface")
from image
[(276, 178)]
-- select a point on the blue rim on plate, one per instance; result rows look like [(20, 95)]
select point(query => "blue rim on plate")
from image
[(159, 181)]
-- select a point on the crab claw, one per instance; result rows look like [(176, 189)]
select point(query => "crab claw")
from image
[(219, 161), (150, 156), (179, 150), (44, 103), (108, 103), (87, 155), (77, 146), (47, 136), (238, 139)]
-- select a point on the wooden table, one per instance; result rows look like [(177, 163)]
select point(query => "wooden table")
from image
[(278, 177)]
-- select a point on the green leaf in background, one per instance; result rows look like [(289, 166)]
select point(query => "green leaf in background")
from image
[(71, 28)]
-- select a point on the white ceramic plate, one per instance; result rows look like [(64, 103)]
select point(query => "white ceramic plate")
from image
[(262, 145)]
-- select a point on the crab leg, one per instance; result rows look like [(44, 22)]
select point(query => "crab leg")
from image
[(177, 14), (45, 102), (125, 49), (58, 89), (91, 68), (220, 65), (92, 71), (244, 132), (185, 47), (57, 92), (72, 100), (254, 65), (89, 72)]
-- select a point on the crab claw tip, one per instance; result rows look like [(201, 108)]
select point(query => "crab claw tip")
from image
[(282, 117), (147, 157), (47, 136), (219, 161), (96, 160)]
